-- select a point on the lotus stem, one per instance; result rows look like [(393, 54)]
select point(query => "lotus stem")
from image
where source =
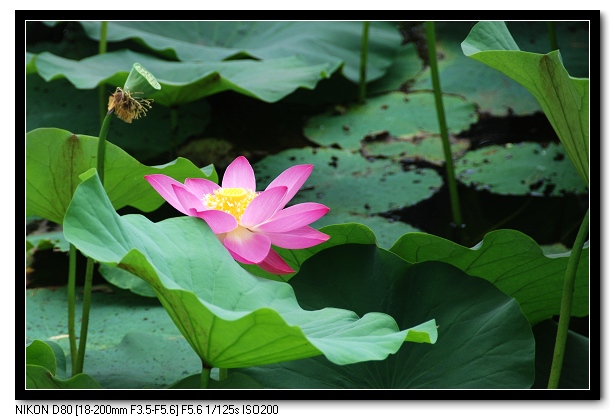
[(102, 49), (363, 65), (205, 376), (566, 306), (72, 270), (85, 314), (448, 156), (89, 272)]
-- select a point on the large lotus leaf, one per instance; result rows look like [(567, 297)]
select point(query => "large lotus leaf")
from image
[(55, 158), (230, 317), (41, 370), (336, 44), (575, 368), (184, 82), (563, 99), (127, 335), (398, 113), (484, 340), (513, 262), (58, 104), (351, 186), (520, 169)]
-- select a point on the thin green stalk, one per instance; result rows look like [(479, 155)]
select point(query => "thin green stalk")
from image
[(102, 49), (205, 376), (102, 142), (448, 156), (566, 306), (72, 270), (85, 314), (552, 36), (89, 272), (363, 65)]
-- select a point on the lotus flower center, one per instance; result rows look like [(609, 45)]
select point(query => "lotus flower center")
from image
[(231, 200)]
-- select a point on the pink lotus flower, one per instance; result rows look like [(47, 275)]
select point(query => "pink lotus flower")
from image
[(248, 222)]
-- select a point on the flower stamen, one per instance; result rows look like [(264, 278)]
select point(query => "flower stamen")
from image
[(230, 200)]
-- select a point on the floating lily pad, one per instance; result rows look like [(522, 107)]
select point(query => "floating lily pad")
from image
[(230, 317), (349, 185), (399, 114), (520, 169), (420, 148)]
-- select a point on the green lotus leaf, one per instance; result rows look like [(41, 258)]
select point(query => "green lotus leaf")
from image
[(41, 370), (513, 262), (55, 158), (335, 44), (484, 340), (563, 99), (184, 82), (40, 354), (230, 317)]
